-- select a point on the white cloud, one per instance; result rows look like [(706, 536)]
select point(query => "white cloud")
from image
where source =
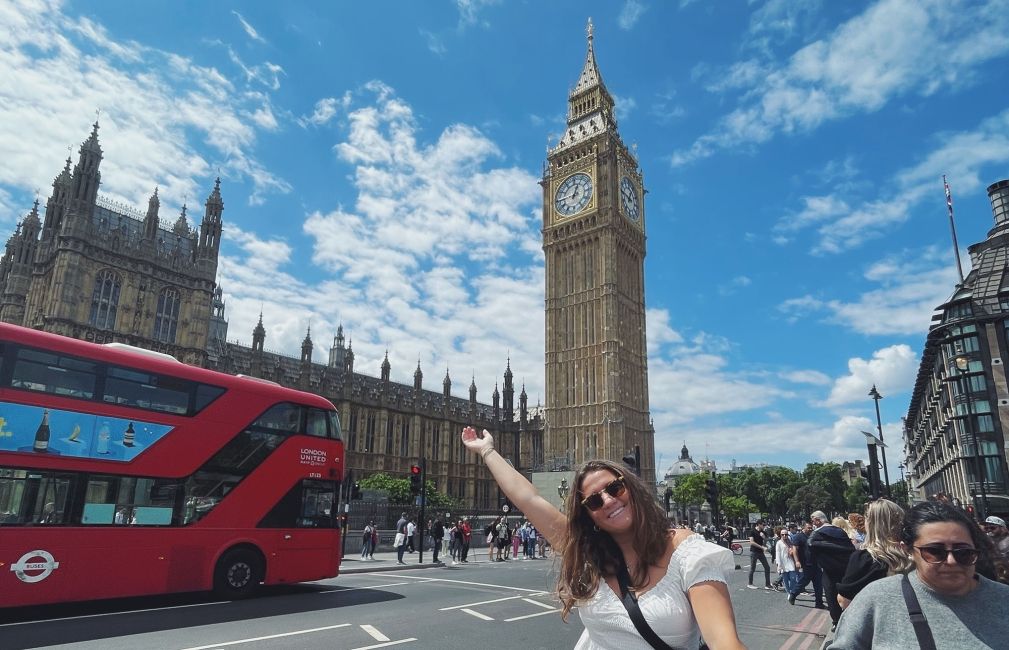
[(249, 29), (325, 110), (623, 106), (891, 369), (435, 43), (433, 259), (894, 49), (912, 284), (469, 12), (153, 102), (814, 377), (630, 13)]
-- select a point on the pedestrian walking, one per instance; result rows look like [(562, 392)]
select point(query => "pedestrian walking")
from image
[(614, 538), (400, 541), (466, 535), (996, 529), (366, 547), (830, 547), (437, 533), (516, 540), (757, 542), (411, 530), (374, 541), (811, 573), (788, 565)]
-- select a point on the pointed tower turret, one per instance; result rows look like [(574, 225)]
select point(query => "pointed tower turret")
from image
[(337, 352), (472, 390), (151, 220), (509, 392), (523, 405), (57, 204), (349, 358), (258, 335), (418, 377), (684, 453), (86, 177), (306, 347), (446, 385), (386, 367), (181, 227), (210, 228), (496, 402), (16, 268)]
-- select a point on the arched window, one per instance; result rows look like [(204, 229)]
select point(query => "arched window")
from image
[(167, 319), (105, 300)]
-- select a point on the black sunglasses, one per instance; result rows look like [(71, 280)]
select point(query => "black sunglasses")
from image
[(938, 554), (615, 489)]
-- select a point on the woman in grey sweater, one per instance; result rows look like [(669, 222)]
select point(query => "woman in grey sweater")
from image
[(963, 608)]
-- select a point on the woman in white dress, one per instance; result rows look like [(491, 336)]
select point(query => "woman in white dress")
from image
[(613, 518)]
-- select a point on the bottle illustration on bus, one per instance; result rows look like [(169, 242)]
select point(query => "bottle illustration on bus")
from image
[(42, 434), (130, 436)]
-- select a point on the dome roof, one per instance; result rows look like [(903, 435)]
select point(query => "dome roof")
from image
[(682, 468)]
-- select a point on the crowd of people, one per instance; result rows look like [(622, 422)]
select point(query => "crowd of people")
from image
[(890, 578)]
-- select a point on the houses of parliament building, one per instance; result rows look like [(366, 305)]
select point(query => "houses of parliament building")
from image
[(94, 269)]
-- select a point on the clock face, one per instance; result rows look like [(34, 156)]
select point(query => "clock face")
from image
[(629, 198), (573, 194)]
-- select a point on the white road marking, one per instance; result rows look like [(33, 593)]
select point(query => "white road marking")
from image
[(477, 614), (272, 636), (129, 611), (375, 634), (519, 618), (485, 602), (478, 584), (345, 590), (385, 645), (543, 605)]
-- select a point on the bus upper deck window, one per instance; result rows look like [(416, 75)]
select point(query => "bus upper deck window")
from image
[(317, 423), (53, 373), (334, 425)]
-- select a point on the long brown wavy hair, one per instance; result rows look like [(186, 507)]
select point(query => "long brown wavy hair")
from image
[(589, 554)]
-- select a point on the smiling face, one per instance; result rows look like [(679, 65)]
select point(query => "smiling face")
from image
[(616, 515), (948, 578)]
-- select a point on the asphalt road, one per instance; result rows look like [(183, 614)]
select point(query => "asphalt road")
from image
[(441, 608)]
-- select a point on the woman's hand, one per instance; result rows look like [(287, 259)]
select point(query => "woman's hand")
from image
[(475, 442)]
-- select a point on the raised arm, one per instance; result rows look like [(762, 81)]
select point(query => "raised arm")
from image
[(546, 518)]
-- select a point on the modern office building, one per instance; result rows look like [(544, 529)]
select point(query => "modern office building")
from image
[(956, 423)]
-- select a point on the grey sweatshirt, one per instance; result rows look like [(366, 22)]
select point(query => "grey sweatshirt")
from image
[(877, 618)]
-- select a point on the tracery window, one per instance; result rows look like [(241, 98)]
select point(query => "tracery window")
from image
[(105, 300), (167, 319)]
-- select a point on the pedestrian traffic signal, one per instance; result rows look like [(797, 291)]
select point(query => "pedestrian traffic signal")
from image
[(355, 491), (710, 491), (415, 480)]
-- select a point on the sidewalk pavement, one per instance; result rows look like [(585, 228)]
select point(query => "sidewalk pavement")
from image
[(386, 561)]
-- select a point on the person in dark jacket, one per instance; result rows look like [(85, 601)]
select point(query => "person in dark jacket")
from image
[(830, 547), (810, 572), (437, 534), (880, 556)]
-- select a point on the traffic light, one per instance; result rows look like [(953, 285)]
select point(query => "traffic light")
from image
[(666, 498), (415, 480), (355, 491), (710, 491)]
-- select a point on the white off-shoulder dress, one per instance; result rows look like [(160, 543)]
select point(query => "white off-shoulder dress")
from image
[(665, 606)]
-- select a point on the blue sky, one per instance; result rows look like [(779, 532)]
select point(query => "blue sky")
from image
[(379, 165)]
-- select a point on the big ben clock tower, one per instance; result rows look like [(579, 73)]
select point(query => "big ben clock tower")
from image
[(594, 244)]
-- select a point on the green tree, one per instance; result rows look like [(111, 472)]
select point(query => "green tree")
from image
[(899, 492), (778, 485), (828, 477), (398, 490), (807, 498), (855, 496), (737, 508), (689, 489)]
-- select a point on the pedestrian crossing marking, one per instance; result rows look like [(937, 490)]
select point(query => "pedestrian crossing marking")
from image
[(477, 614)]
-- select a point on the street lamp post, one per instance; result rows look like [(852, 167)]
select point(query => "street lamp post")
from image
[(874, 394), (562, 492), (962, 364)]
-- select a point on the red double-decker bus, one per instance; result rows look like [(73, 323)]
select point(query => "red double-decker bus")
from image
[(124, 472)]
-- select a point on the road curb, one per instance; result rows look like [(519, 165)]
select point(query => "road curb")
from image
[(395, 567)]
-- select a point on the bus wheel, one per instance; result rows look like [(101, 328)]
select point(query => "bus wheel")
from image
[(238, 574)]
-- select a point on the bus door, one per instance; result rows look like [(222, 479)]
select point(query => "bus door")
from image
[(305, 532)]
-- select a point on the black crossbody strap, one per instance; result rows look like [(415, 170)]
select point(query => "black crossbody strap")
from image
[(631, 605), (918, 620)]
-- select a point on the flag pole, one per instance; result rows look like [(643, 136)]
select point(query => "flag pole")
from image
[(952, 227)]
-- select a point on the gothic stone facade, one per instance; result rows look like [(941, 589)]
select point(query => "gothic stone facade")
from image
[(96, 270)]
